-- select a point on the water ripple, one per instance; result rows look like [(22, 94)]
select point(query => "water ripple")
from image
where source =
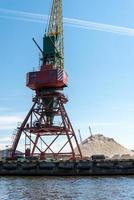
[(67, 188)]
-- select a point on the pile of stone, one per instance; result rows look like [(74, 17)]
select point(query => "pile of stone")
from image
[(101, 145)]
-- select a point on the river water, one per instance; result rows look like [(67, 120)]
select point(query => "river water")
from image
[(54, 188)]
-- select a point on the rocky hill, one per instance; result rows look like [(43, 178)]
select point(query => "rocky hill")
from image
[(99, 144)]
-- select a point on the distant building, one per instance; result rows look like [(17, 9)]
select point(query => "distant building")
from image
[(6, 153)]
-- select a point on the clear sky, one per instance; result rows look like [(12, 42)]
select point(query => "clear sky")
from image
[(100, 65)]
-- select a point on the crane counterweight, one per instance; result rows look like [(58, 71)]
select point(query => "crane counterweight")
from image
[(47, 78)]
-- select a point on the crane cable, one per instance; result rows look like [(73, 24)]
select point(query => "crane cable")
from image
[(48, 18)]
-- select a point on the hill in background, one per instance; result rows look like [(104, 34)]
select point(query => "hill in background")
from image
[(99, 144)]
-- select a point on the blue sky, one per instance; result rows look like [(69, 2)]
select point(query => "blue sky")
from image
[(100, 64)]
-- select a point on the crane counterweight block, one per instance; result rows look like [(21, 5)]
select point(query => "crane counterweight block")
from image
[(48, 78)]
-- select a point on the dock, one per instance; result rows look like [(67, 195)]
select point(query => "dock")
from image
[(67, 168)]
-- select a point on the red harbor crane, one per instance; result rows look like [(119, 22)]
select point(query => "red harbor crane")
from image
[(47, 131)]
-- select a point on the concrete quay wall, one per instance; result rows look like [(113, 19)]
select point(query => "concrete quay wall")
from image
[(67, 168)]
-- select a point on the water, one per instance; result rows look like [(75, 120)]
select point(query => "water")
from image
[(50, 188)]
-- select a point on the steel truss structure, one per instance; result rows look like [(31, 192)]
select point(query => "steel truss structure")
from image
[(41, 133)]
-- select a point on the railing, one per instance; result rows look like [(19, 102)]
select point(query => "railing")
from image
[(14, 135)]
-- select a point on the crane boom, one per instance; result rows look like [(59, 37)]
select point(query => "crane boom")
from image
[(53, 40)]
